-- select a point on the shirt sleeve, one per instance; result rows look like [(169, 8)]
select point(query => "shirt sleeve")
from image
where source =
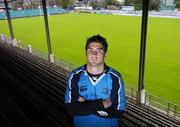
[(71, 94)]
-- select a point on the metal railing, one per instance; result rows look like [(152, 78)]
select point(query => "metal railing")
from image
[(158, 104), (163, 106), (65, 64)]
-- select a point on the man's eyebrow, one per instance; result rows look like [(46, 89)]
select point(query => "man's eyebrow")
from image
[(101, 48), (92, 48)]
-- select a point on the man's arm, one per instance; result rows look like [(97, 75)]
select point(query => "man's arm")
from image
[(76, 105), (99, 107), (108, 110), (115, 105), (112, 107), (84, 107)]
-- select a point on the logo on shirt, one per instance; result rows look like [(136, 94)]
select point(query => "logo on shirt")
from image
[(83, 88), (102, 113)]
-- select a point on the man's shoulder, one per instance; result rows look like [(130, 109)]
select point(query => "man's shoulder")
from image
[(78, 70), (114, 72)]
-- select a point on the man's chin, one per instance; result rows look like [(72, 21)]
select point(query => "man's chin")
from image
[(93, 64)]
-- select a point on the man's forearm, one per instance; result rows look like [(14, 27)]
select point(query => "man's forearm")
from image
[(79, 108), (96, 107), (84, 108)]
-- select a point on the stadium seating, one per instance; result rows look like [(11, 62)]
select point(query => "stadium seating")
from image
[(34, 89), (32, 12), (2, 15)]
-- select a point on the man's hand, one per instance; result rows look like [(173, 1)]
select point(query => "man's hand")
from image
[(107, 103), (81, 99)]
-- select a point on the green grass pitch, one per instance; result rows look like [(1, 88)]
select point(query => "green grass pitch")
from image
[(69, 32)]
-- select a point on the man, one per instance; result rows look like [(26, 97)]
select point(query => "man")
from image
[(95, 92)]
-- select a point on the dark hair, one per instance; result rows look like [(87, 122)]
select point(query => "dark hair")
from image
[(98, 39)]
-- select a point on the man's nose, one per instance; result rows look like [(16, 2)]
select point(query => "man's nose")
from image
[(94, 52)]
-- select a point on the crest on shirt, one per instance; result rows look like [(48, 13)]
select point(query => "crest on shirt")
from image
[(83, 88)]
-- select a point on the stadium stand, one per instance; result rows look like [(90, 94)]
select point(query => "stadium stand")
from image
[(58, 10), (33, 93), (32, 12), (17, 13), (2, 15)]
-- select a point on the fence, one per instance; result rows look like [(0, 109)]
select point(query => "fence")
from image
[(164, 106), (158, 104)]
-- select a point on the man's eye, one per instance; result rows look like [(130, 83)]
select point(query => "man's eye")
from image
[(100, 51), (90, 50)]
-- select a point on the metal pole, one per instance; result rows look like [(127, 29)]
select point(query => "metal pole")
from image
[(47, 27), (143, 47), (9, 20)]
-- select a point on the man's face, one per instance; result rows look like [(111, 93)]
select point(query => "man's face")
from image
[(95, 54)]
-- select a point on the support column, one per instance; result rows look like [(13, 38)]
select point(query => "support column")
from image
[(14, 42), (141, 90), (29, 48), (51, 58), (9, 20), (47, 29)]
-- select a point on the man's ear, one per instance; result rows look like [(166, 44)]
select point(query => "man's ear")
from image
[(104, 55)]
